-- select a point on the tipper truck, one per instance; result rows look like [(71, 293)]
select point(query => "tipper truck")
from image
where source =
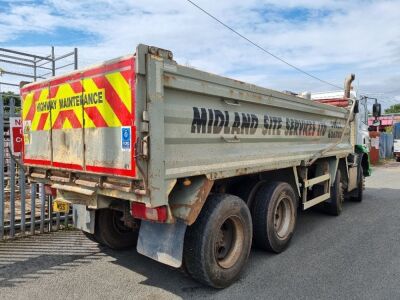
[(190, 167)]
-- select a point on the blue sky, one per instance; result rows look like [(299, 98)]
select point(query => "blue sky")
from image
[(329, 39), (57, 37)]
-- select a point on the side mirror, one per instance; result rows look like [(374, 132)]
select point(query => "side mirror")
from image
[(356, 107), (376, 110)]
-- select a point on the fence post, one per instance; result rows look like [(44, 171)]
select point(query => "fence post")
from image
[(53, 62), (66, 219), (75, 58), (22, 197), (12, 176), (42, 206), (33, 207), (1, 167), (50, 213), (57, 220), (34, 69)]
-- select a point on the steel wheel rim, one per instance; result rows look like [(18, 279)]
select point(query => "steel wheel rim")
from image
[(229, 242), (283, 217)]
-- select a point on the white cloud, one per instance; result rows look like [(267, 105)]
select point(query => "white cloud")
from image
[(332, 40)]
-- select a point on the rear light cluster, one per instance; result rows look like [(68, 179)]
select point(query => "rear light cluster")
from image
[(140, 211)]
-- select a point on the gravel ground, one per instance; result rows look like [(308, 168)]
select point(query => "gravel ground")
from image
[(353, 256)]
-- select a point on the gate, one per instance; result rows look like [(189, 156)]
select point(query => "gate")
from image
[(25, 208)]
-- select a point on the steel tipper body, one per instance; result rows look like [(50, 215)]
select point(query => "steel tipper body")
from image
[(190, 165), (359, 129)]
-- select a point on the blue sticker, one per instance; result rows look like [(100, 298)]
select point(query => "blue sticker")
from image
[(126, 138)]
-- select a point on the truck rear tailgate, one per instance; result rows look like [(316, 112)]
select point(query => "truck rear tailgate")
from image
[(83, 121)]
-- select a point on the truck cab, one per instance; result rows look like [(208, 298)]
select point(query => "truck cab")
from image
[(336, 98)]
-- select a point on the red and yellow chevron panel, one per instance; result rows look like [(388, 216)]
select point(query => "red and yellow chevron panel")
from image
[(57, 112), (100, 97)]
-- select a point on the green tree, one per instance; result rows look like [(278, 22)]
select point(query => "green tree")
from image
[(395, 108), (8, 96), (7, 99)]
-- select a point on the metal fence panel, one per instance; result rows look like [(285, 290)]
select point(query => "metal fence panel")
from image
[(17, 216), (1, 168)]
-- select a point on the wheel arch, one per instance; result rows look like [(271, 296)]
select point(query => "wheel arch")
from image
[(253, 182), (364, 159), (189, 195), (365, 164)]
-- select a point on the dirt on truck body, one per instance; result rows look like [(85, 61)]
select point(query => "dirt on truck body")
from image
[(189, 166)]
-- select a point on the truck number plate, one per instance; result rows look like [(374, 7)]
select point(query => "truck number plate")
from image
[(60, 206)]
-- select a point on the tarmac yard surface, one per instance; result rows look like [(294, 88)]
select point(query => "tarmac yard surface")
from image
[(355, 255)]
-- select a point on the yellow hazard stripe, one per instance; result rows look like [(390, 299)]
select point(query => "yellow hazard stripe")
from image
[(105, 110), (27, 102), (64, 91), (99, 110), (122, 88), (43, 97)]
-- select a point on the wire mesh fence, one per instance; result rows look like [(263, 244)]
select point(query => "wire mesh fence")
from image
[(31, 67)]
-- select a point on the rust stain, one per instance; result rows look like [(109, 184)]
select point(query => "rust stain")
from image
[(199, 202), (168, 78)]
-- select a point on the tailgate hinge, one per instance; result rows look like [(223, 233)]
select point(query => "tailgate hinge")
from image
[(142, 144)]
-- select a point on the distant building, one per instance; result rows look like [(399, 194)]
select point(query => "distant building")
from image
[(386, 121)]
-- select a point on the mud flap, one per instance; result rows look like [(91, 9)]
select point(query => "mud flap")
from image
[(83, 218), (162, 242)]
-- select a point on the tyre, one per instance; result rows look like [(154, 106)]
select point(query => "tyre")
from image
[(111, 231), (398, 159), (357, 194), (218, 244), (247, 190), (334, 205), (274, 216)]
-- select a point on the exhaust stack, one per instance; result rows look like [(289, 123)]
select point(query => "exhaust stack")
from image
[(347, 85)]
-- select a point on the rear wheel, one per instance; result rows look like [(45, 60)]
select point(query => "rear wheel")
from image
[(218, 244), (357, 194), (111, 231), (247, 190), (334, 205), (398, 158), (274, 216)]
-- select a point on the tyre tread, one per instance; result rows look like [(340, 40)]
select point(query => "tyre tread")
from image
[(332, 208), (194, 256), (264, 194), (260, 220)]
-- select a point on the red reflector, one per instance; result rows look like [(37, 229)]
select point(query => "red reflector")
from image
[(140, 211), (48, 190)]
